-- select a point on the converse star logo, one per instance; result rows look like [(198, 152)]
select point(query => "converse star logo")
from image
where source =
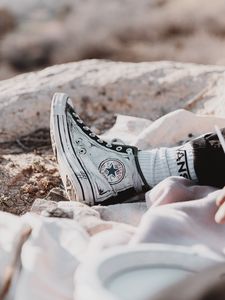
[(113, 170)]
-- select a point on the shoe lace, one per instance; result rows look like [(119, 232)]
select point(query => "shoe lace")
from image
[(136, 178)]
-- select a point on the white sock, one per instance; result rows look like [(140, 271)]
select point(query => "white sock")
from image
[(158, 164)]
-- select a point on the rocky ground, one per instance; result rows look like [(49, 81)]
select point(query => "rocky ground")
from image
[(35, 34), (27, 171), (99, 89)]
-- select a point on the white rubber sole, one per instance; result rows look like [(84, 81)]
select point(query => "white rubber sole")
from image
[(73, 173)]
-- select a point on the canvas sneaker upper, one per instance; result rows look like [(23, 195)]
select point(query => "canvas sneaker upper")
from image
[(93, 171)]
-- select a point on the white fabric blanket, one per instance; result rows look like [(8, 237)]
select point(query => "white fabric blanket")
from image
[(40, 255), (182, 213)]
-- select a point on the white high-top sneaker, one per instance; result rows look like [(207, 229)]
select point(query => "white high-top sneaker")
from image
[(92, 170)]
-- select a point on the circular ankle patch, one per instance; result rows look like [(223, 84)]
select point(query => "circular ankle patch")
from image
[(113, 170)]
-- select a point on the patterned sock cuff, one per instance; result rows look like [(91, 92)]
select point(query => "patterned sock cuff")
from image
[(185, 162)]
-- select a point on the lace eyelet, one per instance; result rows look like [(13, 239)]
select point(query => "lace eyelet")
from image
[(100, 141), (109, 145), (79, 141), (86, 128), (92, 134), (82, 151), (129, 151), (80, 121), (119, 148)]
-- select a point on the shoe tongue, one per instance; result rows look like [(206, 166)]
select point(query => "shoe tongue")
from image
[(117, 141)]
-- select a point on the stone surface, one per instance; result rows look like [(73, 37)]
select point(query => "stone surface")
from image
[(101, 88)]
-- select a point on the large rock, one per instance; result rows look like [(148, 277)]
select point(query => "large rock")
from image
[(99, 89)]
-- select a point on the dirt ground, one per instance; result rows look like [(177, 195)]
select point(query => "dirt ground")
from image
[(28, 170)]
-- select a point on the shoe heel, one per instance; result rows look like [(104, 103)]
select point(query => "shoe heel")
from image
[(59, 102)]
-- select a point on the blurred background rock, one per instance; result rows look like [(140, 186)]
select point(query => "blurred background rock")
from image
[(39, 33)]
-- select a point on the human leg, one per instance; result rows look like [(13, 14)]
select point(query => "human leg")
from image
[(209, 160), (94, 171), (201, 160)]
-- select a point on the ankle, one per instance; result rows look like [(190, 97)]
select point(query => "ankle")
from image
[(158, 164)]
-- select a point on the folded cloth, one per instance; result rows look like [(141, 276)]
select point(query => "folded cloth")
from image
[(187, 222), (13, 234), (49, 258)]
